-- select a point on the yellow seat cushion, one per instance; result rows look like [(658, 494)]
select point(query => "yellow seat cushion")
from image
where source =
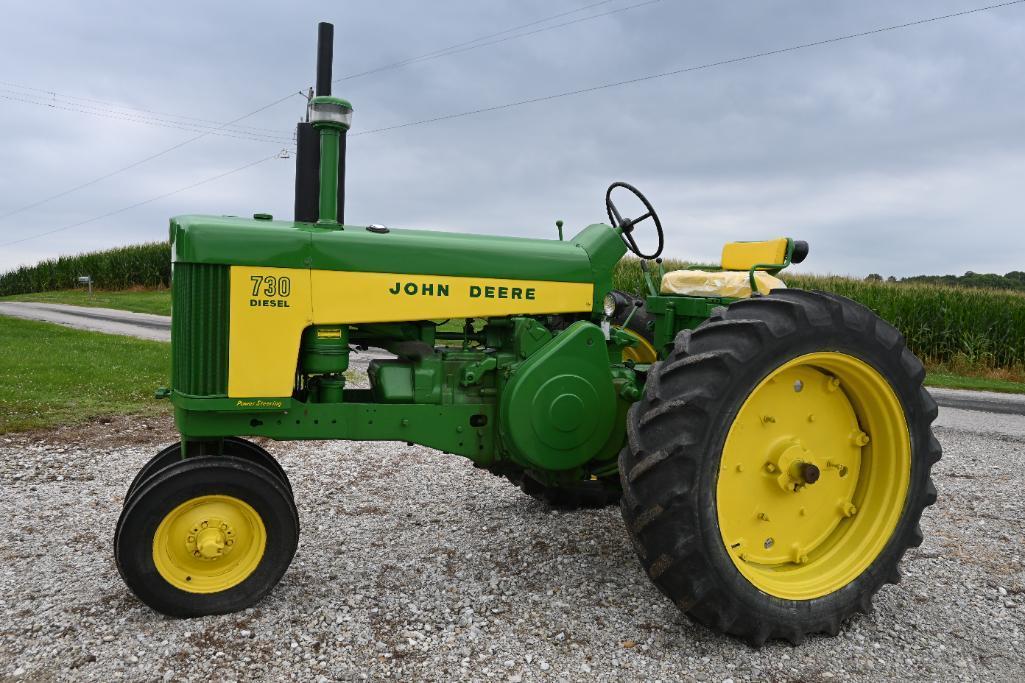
[(725, 283), (746, 255)]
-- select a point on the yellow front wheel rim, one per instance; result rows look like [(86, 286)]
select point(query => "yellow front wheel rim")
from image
[(813, 477), (209, 544)]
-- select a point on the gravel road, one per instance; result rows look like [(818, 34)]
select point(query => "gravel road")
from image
[(414, 565)]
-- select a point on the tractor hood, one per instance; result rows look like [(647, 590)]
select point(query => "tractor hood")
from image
[(228, 240)]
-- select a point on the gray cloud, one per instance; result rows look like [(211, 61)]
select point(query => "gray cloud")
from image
[(898, 153)]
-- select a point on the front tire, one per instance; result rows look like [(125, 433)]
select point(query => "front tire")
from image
[(778, 464), (206, 535), (232, 445)]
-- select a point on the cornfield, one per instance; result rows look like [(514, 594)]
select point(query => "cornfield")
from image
[(139, 265), (942, 325)]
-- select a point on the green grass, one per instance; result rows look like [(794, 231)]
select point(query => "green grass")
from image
[(949, 380), (156, 301), (52, 375)]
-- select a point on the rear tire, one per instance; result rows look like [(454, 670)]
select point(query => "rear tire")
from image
[(682, 493)]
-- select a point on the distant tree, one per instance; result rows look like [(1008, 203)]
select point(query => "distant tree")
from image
[(1014, 280)]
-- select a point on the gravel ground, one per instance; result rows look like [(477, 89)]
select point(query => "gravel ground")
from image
[(414, 565)]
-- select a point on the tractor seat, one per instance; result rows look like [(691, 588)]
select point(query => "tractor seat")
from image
[(733, 284), (734, 280)]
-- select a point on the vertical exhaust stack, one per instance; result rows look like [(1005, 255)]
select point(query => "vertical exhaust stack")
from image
[(320, 143)]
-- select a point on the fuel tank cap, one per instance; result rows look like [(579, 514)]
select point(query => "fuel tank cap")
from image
[(379, 229)]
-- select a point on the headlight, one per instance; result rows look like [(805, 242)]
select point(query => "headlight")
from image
[(609, 305)]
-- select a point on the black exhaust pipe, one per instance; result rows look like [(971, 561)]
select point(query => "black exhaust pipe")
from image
[(307, 140), (325, 56)]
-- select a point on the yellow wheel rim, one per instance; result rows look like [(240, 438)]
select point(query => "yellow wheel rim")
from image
[(209, 544), (641, 351), (813, 476)]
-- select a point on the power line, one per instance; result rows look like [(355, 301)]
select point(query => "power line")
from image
[(145, 201), (50, 98), (687, 69), (524, 35), (52, 95), (120, 116), (708, 65), (136, 163), (445, 50), (179, 145)]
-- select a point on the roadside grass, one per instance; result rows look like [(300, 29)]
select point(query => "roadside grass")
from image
[(156, 301), (53, 375), (948, 380)]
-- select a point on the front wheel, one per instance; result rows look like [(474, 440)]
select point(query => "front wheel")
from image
[(231, 445), (778, 465), (206, 535)]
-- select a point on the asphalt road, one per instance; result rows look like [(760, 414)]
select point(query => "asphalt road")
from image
[(109, 320)]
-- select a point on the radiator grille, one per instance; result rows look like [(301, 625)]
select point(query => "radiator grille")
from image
[(199, 329)]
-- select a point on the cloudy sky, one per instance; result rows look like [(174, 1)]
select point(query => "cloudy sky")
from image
[(902, 152)]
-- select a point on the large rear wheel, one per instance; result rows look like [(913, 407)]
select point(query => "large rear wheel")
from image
[(778, 465)]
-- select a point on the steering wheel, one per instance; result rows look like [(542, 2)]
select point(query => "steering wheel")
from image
[(626, 225)]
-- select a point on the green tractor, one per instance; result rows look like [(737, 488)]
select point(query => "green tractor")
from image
[(770, 448)]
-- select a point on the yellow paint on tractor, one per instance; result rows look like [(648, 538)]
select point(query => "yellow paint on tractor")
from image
[(747, 255), (209, 544), (813, 476), (270, 307), (351, 297)]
